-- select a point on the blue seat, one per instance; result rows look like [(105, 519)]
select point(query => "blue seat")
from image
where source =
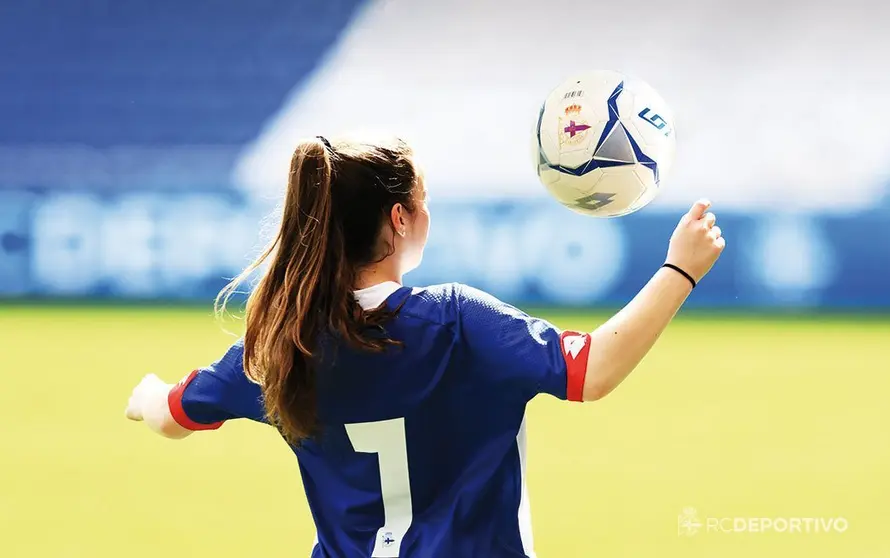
[(106, 73)]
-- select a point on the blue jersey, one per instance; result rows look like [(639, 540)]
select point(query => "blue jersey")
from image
[(421, 450)]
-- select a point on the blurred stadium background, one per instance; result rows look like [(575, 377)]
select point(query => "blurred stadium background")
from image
[(143, 144)]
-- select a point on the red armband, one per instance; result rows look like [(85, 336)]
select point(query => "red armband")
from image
[(174, 401), (575, 349)]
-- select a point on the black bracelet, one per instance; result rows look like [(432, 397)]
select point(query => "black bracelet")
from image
[(681, 272)]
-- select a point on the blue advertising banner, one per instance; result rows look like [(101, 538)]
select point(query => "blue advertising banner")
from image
[(157, 245)]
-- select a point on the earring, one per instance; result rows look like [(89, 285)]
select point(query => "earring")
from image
[(402, 232)]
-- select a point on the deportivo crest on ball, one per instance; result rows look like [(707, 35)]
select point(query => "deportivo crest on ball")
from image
[(572, 128)]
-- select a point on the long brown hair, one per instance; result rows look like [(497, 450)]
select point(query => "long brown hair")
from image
[(339, 197)]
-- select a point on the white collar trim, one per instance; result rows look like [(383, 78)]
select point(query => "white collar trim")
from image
[(375, 295)]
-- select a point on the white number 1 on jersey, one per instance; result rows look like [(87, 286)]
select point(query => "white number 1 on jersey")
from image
[(386, 438)]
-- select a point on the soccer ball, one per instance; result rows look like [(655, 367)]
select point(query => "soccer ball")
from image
[(603, 144)]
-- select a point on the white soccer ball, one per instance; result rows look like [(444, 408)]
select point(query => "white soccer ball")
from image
[(603, 144)]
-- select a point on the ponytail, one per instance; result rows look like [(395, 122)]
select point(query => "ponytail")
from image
[(305, 292)]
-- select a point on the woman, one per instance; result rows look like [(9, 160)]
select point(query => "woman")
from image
[(404, 406)]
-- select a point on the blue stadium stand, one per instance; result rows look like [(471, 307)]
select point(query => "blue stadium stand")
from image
[(94, 94)]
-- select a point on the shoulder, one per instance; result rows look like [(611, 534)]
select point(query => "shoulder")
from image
[(450, 292), (434, 303), (229, 367), (447, 302), (232, 361)]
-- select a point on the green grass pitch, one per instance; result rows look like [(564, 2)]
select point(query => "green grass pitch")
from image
[(734, 417)]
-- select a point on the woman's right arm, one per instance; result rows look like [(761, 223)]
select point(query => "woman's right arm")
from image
[(203, 400), (618, 346)]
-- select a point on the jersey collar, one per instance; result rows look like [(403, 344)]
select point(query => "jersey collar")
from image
[(375, 295)]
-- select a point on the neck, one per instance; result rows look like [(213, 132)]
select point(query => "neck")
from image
[(377, 273)]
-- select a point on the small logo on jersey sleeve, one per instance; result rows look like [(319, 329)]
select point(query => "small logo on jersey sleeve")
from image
[(388, 539), (572, 345)]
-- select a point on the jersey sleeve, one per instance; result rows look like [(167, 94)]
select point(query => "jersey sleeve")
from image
[(209, 396), (514, 348)]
